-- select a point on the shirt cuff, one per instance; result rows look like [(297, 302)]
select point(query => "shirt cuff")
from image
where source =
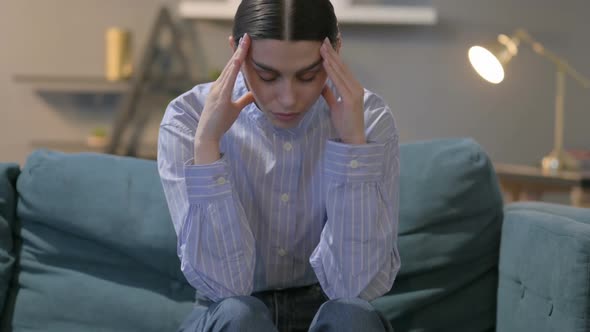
[(354, 163), (207, 182)]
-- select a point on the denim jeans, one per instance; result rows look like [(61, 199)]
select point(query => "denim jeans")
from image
[(288, 310)]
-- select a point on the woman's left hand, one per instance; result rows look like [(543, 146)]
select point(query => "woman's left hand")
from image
[(347, 113)]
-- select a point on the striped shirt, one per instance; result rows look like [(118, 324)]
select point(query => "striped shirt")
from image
[(283, 207)]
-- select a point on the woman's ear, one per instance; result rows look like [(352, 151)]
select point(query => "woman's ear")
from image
[(232, 44)]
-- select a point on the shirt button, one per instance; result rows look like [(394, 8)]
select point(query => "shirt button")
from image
[(282, 252), (287, 146), (221, 181), (285, 198), (354, 164)]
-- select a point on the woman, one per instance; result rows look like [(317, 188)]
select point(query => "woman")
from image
[(282, 181)]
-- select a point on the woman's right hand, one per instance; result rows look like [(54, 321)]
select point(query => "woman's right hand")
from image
[(220, 111)]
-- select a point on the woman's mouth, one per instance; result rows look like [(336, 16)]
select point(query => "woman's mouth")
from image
[(286, 117)]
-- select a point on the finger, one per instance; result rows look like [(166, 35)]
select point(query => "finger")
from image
[(239, 58), (338, 65), (329, 97), (244, 101), (336, 77), (334, 57), (336, 74), (243, 48), (229, 80), (226, 85), (228, 67)]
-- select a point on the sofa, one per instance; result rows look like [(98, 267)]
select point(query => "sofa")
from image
[(87, 245)]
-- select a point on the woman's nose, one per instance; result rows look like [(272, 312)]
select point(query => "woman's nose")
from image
[(286, 95)]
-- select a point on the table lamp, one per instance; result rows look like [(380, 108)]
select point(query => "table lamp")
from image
[(490, 60)]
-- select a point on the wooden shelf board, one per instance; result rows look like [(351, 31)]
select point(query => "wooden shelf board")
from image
[(146, 151), (355, 14), (79, 84)]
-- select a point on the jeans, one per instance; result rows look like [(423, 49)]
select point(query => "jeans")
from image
[(288, 310)]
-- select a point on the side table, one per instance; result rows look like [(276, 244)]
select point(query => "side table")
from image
[(523, 182)]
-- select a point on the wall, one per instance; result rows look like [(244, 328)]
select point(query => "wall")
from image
[(58, 38), (421, 71)]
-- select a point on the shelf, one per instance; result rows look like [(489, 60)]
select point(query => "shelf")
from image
[(355, 14), (536, 174), (164, 89), (73, 84), (147, 151)]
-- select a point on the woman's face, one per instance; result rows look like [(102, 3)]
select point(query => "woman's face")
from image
[(285, 77)]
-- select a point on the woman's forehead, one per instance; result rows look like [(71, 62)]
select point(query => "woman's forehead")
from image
[(285, 56)]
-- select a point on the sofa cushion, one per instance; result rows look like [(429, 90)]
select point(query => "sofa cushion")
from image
[(8, 176), (98, 251), (449, 232), (545, 258)]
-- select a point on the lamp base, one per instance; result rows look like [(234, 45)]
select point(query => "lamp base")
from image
[(559, 160)]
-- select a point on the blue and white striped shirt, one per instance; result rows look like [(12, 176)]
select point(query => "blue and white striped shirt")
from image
[(283, 207)]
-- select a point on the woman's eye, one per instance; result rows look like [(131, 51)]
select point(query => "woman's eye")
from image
[(272, 78), (267, 78), (308, 78)]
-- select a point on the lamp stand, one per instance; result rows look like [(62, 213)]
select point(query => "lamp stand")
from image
[(559, 159)]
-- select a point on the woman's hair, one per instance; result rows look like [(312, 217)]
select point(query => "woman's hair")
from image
[(312, 20)]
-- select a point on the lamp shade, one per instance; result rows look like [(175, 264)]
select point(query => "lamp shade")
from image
[(486, 64), (490, 60)]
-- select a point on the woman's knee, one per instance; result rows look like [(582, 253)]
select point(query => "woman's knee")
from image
[(348, 315), (241, 305), (243, 313)]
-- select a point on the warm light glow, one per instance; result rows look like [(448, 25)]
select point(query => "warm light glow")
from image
[(486, 64)]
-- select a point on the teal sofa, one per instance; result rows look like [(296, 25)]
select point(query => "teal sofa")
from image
[(87, 245)]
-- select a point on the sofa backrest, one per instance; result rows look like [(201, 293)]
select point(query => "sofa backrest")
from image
[(98, 247), (449, 234)]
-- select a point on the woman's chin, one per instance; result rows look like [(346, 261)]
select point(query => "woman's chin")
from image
[(284, 125), (284, 121)]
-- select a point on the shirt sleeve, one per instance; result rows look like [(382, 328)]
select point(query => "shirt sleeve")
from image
[(215, 244), (357, 255)]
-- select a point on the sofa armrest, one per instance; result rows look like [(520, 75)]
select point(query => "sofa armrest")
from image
[(544, 269), (8, 176)]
